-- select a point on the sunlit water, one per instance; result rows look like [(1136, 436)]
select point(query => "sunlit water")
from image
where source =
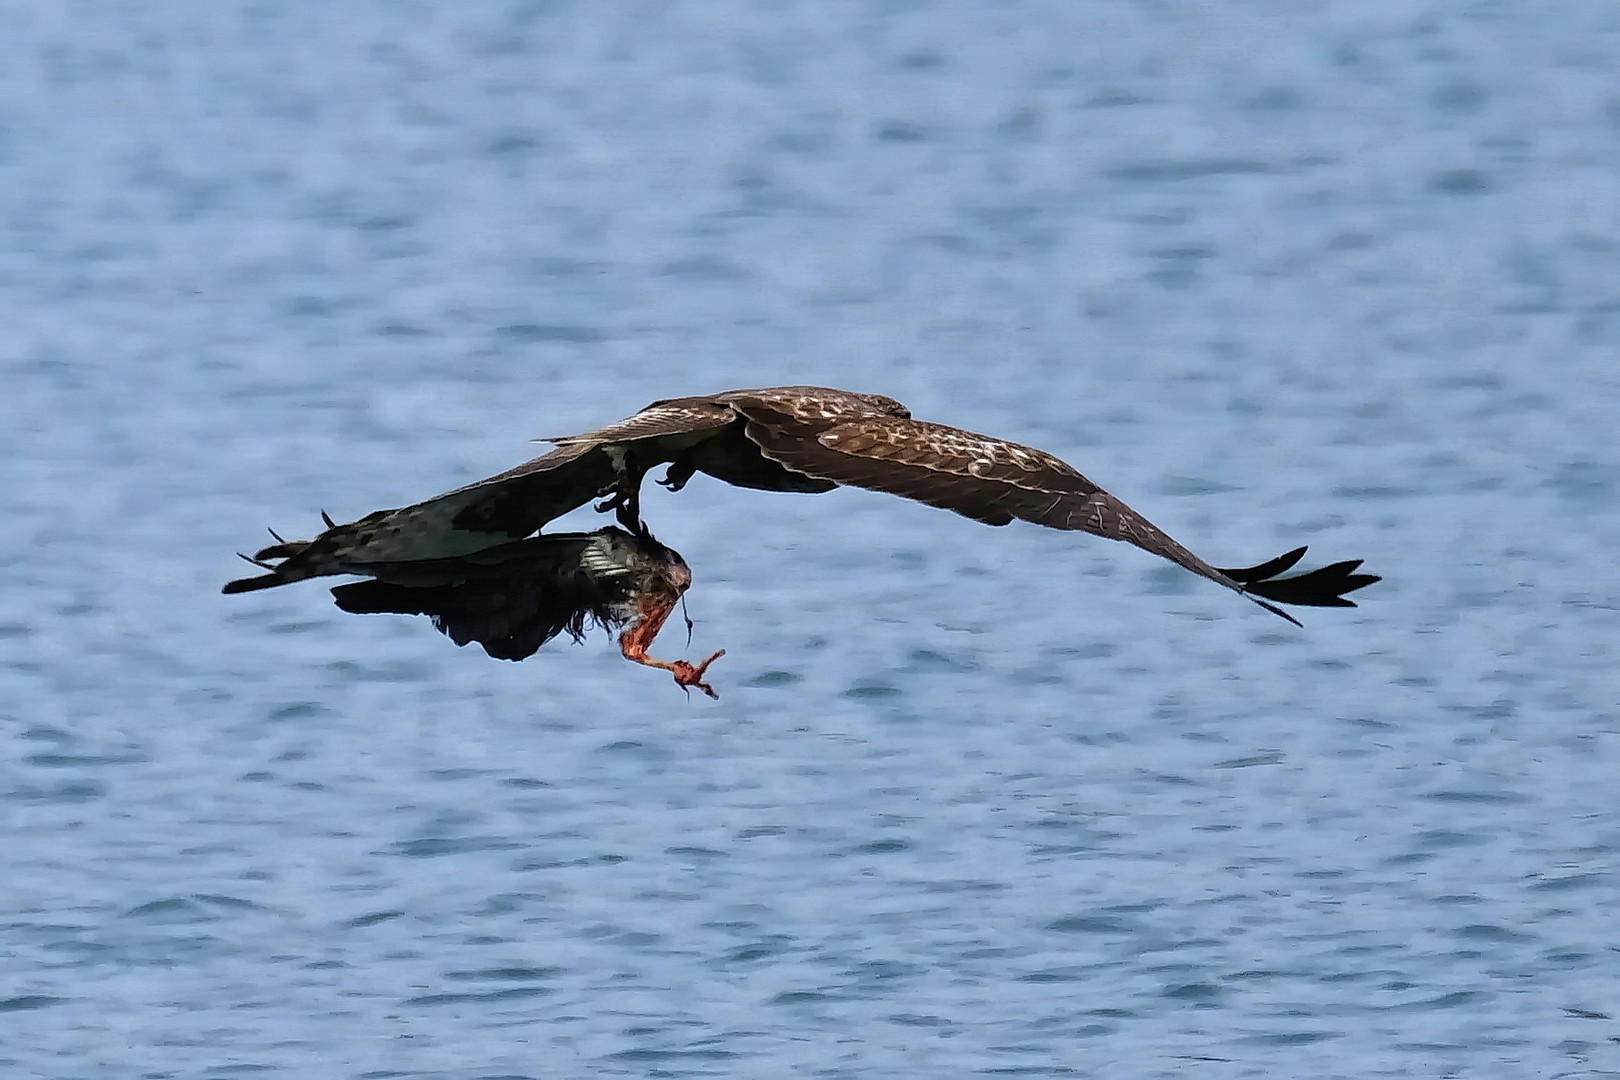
[(973, 801)]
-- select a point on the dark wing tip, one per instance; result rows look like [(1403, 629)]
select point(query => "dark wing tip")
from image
[(1324, 586), (286, 549), (1275, 610), (252, 583), (1268, 569)]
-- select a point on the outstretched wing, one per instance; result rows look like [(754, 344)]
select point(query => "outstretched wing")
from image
[(469, 519), (989, 480), (995, 481), (682, 419), (504, 507), (517, 502)]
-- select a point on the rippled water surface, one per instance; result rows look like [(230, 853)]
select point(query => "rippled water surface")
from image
[(973, 801)]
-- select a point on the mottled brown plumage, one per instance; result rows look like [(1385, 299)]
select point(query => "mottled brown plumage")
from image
[(696, 434), (791, 438)]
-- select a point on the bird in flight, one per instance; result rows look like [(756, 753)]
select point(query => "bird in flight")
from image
[(789, 438)]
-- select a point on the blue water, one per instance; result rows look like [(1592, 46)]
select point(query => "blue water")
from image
[(973, 801)]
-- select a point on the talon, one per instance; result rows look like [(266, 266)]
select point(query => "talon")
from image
[(626, 506), (688, 676), (677, 475), (330, 524), (277, 535)]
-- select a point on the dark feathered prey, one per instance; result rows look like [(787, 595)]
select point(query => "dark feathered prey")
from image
[(792, 438), (515, 597)]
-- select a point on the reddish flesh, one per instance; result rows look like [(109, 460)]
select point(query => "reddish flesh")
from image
[(633, 643)]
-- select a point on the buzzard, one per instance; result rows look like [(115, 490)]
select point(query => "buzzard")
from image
[(708, 434), (789, 438)]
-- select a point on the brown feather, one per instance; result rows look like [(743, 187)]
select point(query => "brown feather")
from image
[(813, 406), (786, 438), (506, 506), (983, 478), (685, 419)]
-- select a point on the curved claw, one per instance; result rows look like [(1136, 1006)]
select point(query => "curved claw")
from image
[(677, 475), (626, 506), (688, 676)]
